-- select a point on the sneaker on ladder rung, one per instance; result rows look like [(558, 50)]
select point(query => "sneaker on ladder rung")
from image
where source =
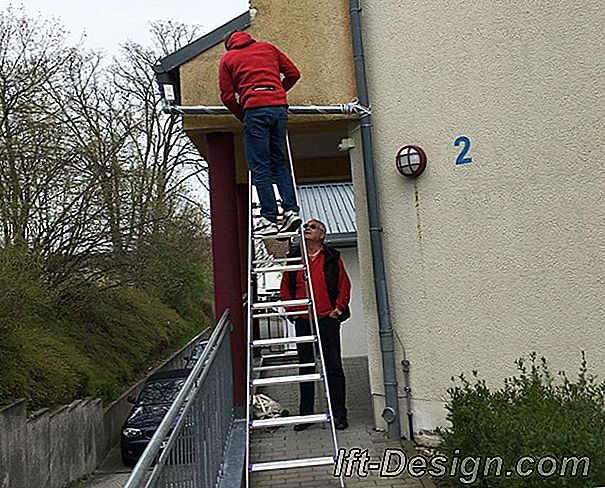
[(291, 221), (265, 228)]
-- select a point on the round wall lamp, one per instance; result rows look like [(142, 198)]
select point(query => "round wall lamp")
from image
[(410, 161)]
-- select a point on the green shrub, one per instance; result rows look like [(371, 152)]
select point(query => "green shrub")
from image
[(174, 265), (533, 414)]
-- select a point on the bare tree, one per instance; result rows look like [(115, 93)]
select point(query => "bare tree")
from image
[(164, 160), (91, 172), (32, 58), (165, 156)]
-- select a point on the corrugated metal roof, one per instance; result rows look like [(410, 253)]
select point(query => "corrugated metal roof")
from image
[(333, 204)]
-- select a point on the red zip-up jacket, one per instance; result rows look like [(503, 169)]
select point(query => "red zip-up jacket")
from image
[(251, 70)]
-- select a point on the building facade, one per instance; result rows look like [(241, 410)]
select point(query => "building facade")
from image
[(495, 258), (497, 249)]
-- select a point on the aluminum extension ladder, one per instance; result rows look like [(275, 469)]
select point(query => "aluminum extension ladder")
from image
[(265, 308)]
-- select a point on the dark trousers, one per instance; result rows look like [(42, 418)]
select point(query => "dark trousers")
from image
[(329, 332), (265, 130)]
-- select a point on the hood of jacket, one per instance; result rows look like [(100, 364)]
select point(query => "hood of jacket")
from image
[(239, 40)]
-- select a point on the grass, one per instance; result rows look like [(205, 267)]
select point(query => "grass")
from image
[(93, 343)]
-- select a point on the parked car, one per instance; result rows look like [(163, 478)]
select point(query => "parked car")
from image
[(150, 407), (195, 354)]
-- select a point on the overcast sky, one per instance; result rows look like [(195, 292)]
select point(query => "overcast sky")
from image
[(108, 23)]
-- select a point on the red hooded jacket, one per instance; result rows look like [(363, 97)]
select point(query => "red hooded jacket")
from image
[(251, 69)]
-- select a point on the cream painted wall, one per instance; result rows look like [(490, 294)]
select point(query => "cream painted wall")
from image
[(353, 331), (506, 255)]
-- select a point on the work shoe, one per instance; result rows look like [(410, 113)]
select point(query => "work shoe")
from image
[(292, 221), (265, 228), (299, 427), (341, 424)]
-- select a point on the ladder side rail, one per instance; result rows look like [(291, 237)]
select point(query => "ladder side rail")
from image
[(313, 309), (307, 270), (249, 332)]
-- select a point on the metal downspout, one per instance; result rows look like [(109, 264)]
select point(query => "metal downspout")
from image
[(391, 412)]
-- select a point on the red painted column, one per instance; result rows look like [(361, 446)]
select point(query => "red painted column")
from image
[(226, 250), (242, 216)]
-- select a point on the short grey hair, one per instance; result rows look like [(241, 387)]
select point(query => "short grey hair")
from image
[(321, 226)]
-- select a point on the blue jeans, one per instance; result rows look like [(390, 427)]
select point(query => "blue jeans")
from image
[(265, 131)]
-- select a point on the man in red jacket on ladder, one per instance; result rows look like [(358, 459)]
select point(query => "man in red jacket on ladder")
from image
[(253, 90)]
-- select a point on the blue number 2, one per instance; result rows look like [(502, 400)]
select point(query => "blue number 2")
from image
[(466, 145)]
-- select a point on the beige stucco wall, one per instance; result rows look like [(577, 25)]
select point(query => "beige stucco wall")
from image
[(506, 255), (315, 34)]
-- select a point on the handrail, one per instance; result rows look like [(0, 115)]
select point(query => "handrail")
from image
[(140, 471)]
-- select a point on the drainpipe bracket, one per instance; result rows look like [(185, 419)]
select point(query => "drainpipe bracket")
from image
[(388, 414), (356, 9)]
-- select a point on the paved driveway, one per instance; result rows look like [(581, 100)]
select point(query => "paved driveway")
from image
[(284, 443)]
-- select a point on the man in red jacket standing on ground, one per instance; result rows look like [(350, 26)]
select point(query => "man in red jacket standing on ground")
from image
[(253, 90), (331, 295)]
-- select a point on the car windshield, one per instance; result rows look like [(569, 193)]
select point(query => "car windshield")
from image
[(164, 391)]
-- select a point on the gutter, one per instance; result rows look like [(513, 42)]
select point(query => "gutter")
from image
[(391, 412)]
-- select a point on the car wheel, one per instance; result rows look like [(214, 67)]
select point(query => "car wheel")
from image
[(126, 461)]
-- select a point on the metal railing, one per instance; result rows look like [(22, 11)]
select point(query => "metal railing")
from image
[(198, 424)]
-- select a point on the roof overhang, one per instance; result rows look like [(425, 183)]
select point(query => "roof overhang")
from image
[(167, 68)]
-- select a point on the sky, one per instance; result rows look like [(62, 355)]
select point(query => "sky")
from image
[(109, 23)]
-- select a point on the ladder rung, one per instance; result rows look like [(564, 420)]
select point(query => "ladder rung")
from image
[(289, 354), (277, 314), (294, 463), (281, 235), (267, 293), (279, 269), (261, 262), (284, 366), (281, 303), (283, 340), (278, 380), (299, 419)]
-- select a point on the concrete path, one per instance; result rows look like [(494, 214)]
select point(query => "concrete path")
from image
[(110, 474), (106, 481), (286, 444)]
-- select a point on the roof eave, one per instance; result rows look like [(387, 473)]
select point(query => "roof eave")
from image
[(348, 239), (167, 68)]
